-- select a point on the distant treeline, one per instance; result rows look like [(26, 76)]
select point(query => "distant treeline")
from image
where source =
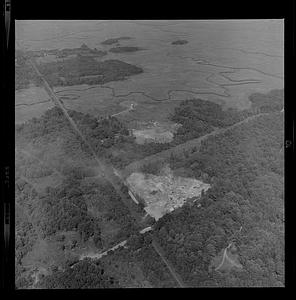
[(115, 40), (180, 42), (82, 69), (124, 49), (86, 70)]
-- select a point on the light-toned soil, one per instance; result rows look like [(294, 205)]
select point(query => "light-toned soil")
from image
[(165, 192)]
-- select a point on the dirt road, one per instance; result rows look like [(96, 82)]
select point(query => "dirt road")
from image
[(107, 171), (166, 154)]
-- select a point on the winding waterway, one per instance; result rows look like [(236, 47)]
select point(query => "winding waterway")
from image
[(209, 66)]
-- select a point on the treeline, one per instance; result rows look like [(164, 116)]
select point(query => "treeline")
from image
[(83, 50), (245, 167), (82, 69), (270, 102), (180, 42), (124, 49), (199, 117), (115, 40), (75, 71)]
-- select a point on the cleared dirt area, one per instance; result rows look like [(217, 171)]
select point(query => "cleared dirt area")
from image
[(155, 132), (166, 192)]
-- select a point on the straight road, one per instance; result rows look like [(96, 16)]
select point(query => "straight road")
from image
[(166, 154), (107, 171)]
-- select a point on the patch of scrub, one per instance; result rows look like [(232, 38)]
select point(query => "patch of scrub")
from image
[(165, 192), (155, 132), (226, 260)]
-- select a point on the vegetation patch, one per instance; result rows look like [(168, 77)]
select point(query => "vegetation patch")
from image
[(180, 42), (115, 40), (124, 49), (86, 70), (84, 275), (270, 102)]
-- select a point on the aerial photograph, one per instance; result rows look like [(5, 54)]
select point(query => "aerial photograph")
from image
[(149, 154)]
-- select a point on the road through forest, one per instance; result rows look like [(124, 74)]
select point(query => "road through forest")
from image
[(166, 154), (107, 171)]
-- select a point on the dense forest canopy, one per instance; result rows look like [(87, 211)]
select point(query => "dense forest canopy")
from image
[(101, 133), (83, 68), (199, 117), (246, 169), (244, 206), (86, 70), (84, 275)]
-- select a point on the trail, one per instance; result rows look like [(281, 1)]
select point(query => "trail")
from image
[(124, 111), (224, 256), (121, 244)]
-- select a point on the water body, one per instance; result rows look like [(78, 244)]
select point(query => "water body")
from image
[(223, 61)]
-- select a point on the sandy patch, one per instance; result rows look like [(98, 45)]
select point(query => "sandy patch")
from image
[(155, 132), (166, 192)]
